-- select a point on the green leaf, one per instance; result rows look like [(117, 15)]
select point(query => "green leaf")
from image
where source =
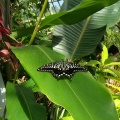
[(33, 110), (13, 104), (73, 16), (101, 78), (76, 14), (67, 118), (109, 71), (81, 39), (83, 97), (18, 33), (109, 60), (117, 103), (28, 84), (113, 78), (112, 64), (31, 84), (116, 72), (93, 63), (21, 101), (104, 54), (113, 87), (108, 16), (76, 41)]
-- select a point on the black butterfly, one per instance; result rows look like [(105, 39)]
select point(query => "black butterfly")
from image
[(62, 68)]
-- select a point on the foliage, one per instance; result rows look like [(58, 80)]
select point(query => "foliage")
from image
[(113, 36), (73, 90), (104, 73), (39, 96), (103, 68), (26, 12), (72, 40)]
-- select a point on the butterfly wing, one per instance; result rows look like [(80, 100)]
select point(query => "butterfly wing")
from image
[(52, 68), (57, 73), (46, 68), (62, 68), (72, 68)]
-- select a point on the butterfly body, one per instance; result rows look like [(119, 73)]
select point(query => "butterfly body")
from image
[(62, 68)]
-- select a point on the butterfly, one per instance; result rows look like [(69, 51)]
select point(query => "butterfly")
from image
[(62, 68)]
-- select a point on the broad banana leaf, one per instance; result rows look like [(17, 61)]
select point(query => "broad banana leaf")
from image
[(81, 39), (82, 96), (108, 16)]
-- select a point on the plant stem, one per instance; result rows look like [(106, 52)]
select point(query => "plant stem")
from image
[(38, 22), (17, 73)]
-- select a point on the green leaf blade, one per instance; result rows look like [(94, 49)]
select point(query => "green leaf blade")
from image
[(27, 99), (108, 16), (73, 15), (24, 104), (81, 97), (13, 105), (68, 38)]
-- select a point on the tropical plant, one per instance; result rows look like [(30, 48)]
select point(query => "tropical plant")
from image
[(83, 98), (112, 36)]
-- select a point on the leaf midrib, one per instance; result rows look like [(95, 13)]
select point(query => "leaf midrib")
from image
[(27, 104), (80, 38)]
